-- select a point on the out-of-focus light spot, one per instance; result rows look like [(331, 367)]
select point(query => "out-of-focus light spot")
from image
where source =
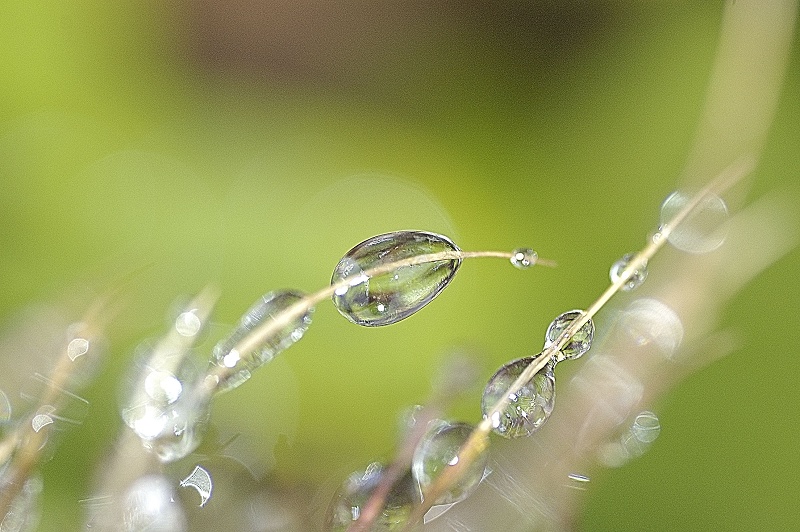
[(188, 324)]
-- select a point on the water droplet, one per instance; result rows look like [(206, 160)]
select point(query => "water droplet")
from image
[(437, 451), (77, 347), (200, 480), (350, 502), (523, 258), (636, 279), (168, 417), (269, 309), (646, 427), (529, 407), (149, 504), (580, 342), (388, 296), (702, 230), (188, 323)]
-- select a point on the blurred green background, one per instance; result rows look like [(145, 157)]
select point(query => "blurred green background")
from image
[(251, 144)]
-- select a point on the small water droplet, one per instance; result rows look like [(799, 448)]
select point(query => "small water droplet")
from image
[(636, 279), (200, 480), (529, 407), (188, 323), (580, 342), (702, 230), (390, 296), (77, 347), (351, 501), (523, 258), (268, 309), (437, 451)]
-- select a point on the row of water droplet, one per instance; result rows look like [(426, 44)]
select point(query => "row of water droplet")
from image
[(528, 406)]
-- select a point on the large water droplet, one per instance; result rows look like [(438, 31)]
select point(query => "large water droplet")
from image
[(437, 451), (378, 294), (636, 279), (580, 342), (269, 309), (702, 230), (354, 498), (529, 407)]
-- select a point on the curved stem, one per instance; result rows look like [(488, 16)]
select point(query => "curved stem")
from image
[(218, 374), (478, 440)]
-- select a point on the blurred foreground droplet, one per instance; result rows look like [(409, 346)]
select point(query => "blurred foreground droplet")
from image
[(350, 502), (702, 230), (268, 311)]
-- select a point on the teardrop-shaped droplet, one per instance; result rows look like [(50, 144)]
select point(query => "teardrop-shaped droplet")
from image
[(354, 500), (523, 258), (373, 291), (529, 407), (703, 228), (580, 342), (636, 279), (270, 309), (437, 451)]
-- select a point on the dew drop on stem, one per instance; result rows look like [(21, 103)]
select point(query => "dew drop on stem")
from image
[(636, 279), (437, 451), (373, 293), (529, 407), (578, 344), (352, 499)]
